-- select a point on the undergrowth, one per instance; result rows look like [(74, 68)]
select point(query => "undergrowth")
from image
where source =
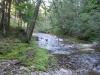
[(27, 54)]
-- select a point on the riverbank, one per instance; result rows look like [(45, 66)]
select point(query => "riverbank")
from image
[(18, 56), (47, 56)]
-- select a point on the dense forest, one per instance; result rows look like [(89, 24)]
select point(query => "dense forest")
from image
[(71, 21), (76, 18)]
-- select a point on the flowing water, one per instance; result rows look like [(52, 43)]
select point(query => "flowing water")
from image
[(73, 59)]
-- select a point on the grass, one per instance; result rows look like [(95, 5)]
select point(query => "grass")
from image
[(27, 54), (41, 59)]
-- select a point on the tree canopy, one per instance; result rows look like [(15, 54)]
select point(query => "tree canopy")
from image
[(77, 18)]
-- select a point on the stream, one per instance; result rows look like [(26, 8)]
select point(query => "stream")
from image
[(73, 59)]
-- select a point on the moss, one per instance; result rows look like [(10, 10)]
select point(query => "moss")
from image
[(27, 54), (41, 59)]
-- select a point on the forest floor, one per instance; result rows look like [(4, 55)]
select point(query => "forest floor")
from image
[(14, 53)]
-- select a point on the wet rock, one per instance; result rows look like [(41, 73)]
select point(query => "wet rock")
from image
[(11, 67), (78, 61), (96, 46), (66, 72), (55, 72), (97, 69)]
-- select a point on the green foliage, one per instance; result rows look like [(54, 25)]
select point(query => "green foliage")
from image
[(27, 54), (76, 18), (92, 4), (41, 60), (25, 10)]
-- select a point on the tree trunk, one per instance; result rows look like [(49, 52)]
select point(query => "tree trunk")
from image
[(31, 27), (5, 21), (9, 11)]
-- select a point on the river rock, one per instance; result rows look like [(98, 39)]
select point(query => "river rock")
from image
[(55, 72), (11, 67), (97, 69)]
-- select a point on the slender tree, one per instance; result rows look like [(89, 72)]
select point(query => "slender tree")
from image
[(5, 20), (31, 27)]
